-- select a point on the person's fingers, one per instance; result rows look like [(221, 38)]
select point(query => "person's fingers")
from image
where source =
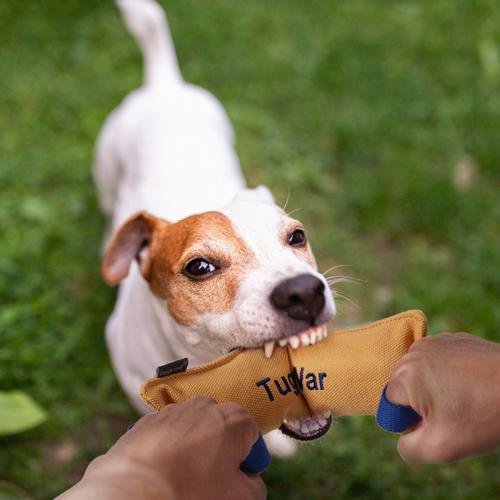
[(397, 391), (241, 430), (187, 413), (198, 403), (202, 401)]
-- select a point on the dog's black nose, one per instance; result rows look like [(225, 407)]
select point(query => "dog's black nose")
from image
[(300, 297)]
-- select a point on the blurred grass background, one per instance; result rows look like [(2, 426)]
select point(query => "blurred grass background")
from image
[(383, 120)]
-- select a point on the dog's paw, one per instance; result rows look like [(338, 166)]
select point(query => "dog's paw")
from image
[(279, 445)]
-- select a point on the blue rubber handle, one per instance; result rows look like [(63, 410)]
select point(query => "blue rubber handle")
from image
[(395, 418), (258, 459)]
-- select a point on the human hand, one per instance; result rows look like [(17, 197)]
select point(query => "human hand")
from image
[(188, 450), (452, 381)]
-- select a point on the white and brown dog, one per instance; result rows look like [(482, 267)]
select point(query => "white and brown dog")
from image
[(205, 265)]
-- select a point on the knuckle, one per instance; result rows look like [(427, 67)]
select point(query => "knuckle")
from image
[(408, 367), (424, 344), (234, 412), (200, 404), (465, 336), (419, 346), (445, 339), (97, 463), (444, 335), (239, 417), (232, 407), (147, 419), (225, 414), (203, 401)]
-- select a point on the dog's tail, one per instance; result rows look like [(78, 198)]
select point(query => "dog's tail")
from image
[(147, 22)]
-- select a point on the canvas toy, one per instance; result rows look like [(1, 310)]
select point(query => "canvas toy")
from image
[(345, 374)]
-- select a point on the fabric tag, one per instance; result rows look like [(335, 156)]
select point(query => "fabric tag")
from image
[(179, 365)]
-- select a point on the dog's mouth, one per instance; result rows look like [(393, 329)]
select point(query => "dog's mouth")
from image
[(316, 426), (308, 337), (308, 428)]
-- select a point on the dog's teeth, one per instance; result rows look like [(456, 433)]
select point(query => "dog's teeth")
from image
[(304, 429), (304, 338), (269, 348), (326, 414), (312, 337), (322, 421), (294, 342), (283, 342), (295, 424)]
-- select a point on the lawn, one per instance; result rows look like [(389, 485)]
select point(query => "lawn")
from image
[(381, 118)]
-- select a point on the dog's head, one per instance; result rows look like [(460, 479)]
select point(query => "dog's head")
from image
[(243, 276)]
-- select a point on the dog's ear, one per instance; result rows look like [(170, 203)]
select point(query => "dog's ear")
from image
[(131, 241)]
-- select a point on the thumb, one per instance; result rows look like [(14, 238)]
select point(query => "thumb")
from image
[(423, 441), (411, 446), (397, 391)]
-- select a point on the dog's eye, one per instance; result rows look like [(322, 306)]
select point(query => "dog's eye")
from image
[(297, 238), (198, 267)]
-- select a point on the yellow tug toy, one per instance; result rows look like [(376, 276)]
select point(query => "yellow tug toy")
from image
[(344, 374)]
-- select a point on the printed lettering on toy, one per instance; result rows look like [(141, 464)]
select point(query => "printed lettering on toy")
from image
[(295, 382)]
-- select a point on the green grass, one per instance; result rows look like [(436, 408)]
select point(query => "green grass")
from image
[(362, 109)]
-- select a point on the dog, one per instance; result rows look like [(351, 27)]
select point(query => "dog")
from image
[(205, 264)]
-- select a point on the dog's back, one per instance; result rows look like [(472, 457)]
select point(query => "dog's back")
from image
[(169, 147)]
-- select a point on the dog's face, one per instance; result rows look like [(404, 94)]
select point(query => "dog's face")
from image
[(240, 277)]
